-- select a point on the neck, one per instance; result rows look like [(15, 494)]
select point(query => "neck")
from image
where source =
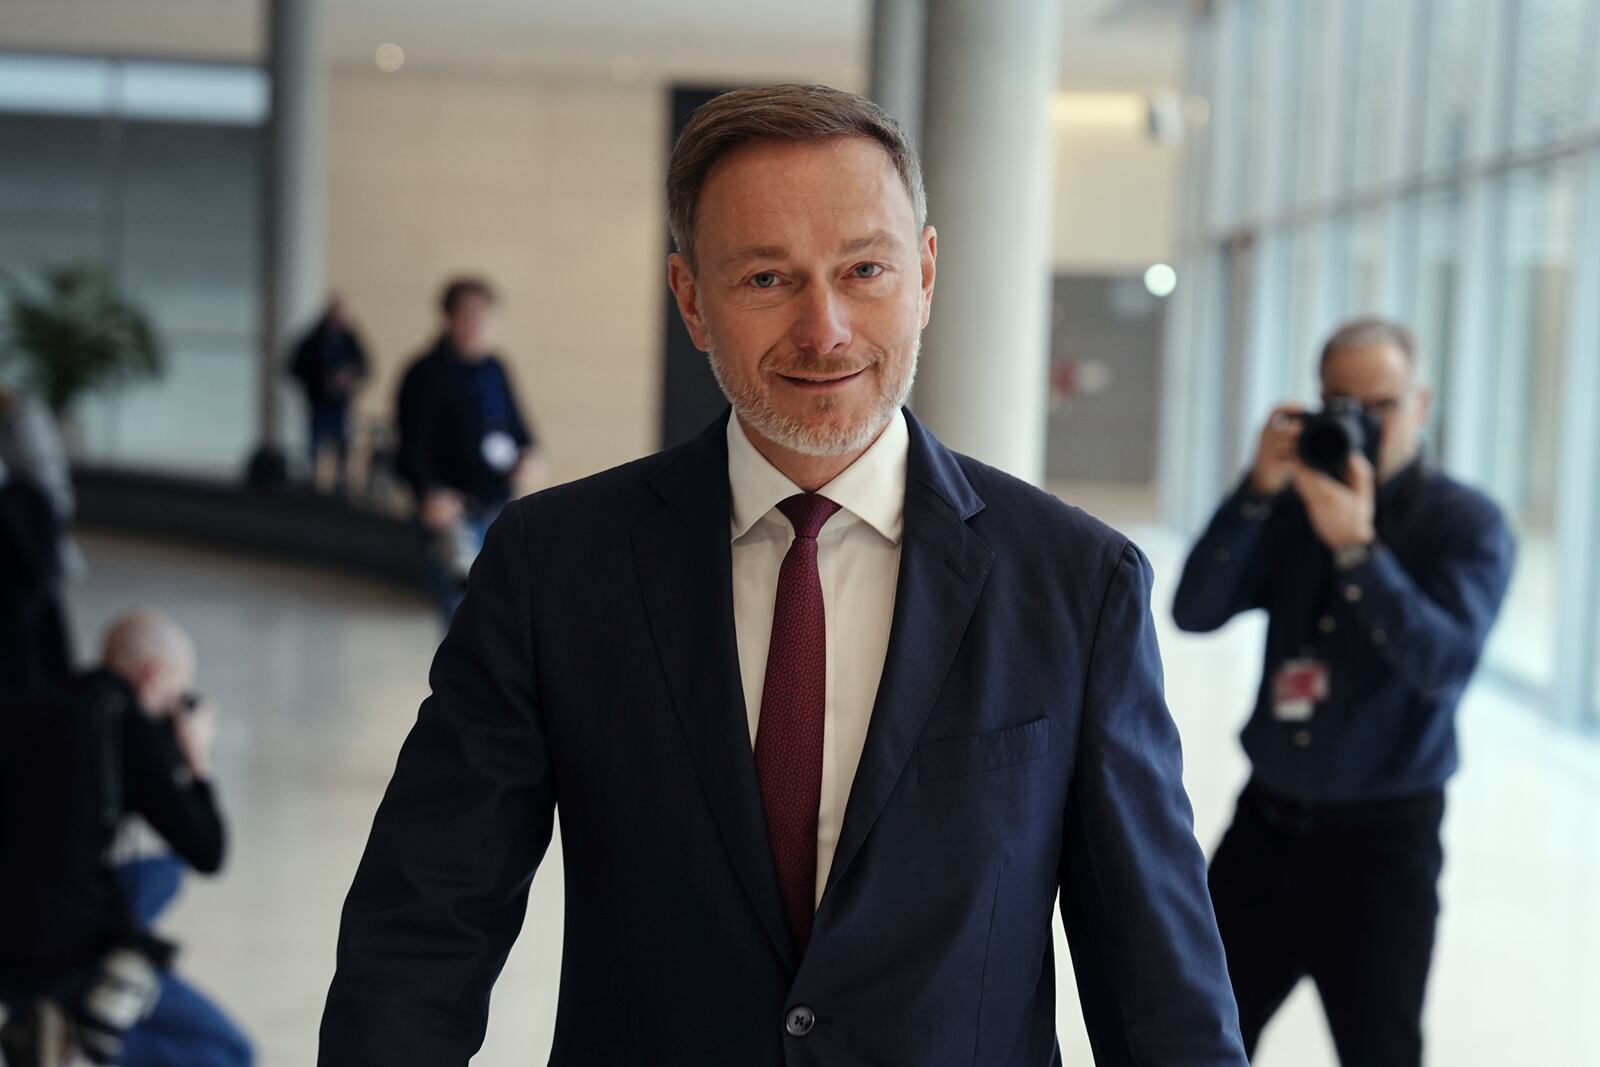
[(1401, 465), (468, 355), (808, 472)]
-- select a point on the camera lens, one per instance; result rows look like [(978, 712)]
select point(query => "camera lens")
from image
[(1326, 445), (1329, 437)]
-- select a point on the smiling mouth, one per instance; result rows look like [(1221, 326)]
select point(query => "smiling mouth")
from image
[(821, 383)]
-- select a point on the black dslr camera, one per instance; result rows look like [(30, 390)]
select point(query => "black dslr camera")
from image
[(1329, 436)]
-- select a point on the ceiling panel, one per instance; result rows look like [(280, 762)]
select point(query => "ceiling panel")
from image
[(1121, 44)]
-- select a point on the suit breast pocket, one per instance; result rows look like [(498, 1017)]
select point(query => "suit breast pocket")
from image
[(959, 756)]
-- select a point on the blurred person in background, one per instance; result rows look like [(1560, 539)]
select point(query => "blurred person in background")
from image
[(465, 448), (123, 739), (36, 553), (331, 365), (833, 717), (1380, 585)]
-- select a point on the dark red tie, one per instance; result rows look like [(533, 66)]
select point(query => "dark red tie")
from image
[(789, 735)]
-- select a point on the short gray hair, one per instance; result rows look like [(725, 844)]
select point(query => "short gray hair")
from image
[(1369, 332), (778, 113)]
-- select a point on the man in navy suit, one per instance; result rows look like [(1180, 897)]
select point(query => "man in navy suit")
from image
[(832, 715)]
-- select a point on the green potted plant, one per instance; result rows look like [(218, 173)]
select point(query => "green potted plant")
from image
[(76, 335)]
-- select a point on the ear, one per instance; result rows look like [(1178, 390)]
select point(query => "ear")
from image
[(686, 291), (1424, 405), (927, 253)]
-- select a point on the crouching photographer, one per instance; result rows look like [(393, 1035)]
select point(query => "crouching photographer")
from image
[(81, 977), (1381, 577)]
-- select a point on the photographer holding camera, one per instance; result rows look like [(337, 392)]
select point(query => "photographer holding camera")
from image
[(77, 965), (1381, 577)]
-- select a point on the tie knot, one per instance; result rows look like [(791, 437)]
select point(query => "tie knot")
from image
[(808, 512)]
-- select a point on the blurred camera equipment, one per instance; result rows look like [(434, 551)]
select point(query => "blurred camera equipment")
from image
[(38, 1034), (1329, 437), (123, 991)]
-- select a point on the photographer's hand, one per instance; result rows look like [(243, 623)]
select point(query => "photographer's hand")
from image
[(196, 733), (1342, 515), (1274, 464)]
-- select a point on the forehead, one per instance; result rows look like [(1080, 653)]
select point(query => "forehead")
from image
[(1376, 371), (775, 192)]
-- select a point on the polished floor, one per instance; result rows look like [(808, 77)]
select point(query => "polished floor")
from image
[(318, 677)]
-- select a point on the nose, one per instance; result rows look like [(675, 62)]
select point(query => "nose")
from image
[(821, 323)]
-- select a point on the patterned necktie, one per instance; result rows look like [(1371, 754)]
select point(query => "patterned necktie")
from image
[(789, 734)]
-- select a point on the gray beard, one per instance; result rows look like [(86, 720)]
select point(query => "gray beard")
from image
[(751, 405)]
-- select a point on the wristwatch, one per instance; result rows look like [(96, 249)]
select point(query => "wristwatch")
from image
[(1352, 556)]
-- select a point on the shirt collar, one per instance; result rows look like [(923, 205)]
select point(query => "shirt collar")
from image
[(1401, 480), (873, 488)]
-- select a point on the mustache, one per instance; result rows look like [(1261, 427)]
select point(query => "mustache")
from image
[(803, 367)]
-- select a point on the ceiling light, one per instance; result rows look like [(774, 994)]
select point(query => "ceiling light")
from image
[(1161, 280), (390, 57)]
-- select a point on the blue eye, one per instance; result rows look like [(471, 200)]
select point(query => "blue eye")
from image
[(872, 270), (764, 280)]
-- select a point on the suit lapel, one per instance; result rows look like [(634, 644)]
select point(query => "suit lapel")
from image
[(943, 567), (685, 563)]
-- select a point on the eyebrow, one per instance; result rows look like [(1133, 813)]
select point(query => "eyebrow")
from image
[(759, 252), (871, 240), (745, 255)]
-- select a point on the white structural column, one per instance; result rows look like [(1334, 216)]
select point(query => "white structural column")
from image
[(987, 153), (1575, 695), (293, 272), (899, 47)]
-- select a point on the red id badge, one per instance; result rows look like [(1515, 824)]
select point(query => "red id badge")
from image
[(1298, 687)]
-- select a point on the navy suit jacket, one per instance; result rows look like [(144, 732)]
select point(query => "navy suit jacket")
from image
[(1020, 748)]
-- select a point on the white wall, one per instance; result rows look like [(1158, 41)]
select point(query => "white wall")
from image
[(552, 191), (1116, 194)]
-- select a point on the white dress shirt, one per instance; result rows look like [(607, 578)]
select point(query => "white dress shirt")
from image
[(858, 562)]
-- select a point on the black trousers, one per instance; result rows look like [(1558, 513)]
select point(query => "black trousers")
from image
[(1346, 896)]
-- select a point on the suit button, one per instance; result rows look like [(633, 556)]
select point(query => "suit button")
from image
[(800, 1021)]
